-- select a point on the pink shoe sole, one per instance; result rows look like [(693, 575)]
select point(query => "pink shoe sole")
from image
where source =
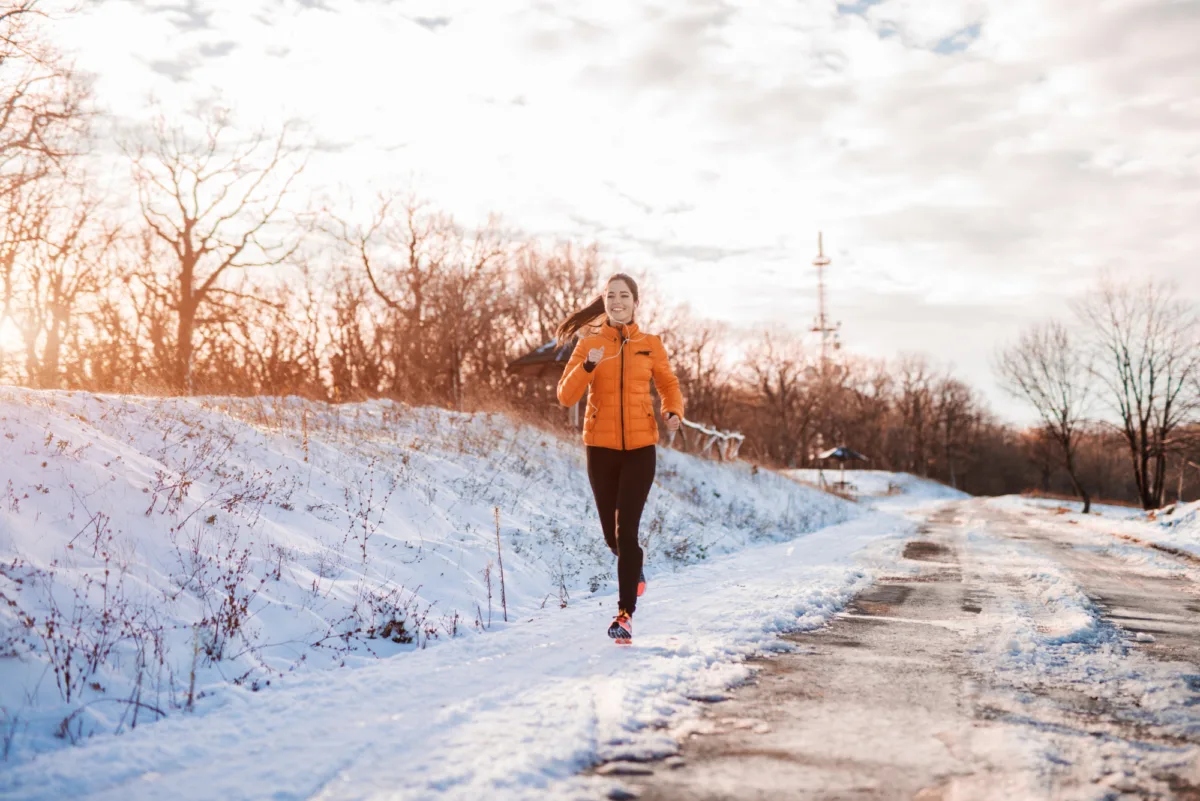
[(621, 635)]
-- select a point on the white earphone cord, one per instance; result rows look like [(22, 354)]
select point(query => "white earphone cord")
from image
[(607, 358), (618, 353)]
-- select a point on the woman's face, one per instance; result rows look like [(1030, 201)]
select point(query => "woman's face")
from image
[(619, 304)]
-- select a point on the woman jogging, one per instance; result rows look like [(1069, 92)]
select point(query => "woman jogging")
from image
[(615, 366)]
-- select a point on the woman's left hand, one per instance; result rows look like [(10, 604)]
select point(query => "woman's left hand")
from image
[(672, 422)]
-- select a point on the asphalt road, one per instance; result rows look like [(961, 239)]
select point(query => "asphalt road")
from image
[(911, 693)]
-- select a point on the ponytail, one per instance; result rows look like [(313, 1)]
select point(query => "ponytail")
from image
[(570, 326)]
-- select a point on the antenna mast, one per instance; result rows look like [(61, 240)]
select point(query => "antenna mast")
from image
[(823, 326)]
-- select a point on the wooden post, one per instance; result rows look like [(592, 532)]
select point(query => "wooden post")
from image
[(500, 561)]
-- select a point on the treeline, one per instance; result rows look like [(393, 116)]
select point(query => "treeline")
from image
[(1116, 380), (214, 274), (904, 415)]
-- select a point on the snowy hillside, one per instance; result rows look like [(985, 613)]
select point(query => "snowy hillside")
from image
[(160, 554), (880, 487)]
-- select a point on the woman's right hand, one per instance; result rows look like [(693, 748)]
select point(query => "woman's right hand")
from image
[(595, 355)]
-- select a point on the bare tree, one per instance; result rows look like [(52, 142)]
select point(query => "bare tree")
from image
[(914, 408), (1148, 360), (1041, 450), (106, 356), (43, 125), (216, 201), (445, 293), (553, 285), (312, 298), (471, 302), (959, 415), (777, 367), (403, 251), (865, 406), (1049, 370), (357, 357), (57, 271), (43, 115), (139, 318), (698, 356), (25, 211), (259, 342)]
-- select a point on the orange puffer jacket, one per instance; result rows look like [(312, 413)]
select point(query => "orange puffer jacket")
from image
[(620, 413)]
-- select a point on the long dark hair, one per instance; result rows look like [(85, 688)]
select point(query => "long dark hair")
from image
[(588, 314)]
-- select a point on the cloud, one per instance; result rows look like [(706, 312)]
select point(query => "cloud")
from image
[(177, 70), (942, 27), (187, 16), (217, 49), (432, 23)]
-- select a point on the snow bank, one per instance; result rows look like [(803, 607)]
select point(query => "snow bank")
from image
[(1175, 529), (161, 554), (1062, 506), (1053, 610), (1179, 527), (1180, 516)]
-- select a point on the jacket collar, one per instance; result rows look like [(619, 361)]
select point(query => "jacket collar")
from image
[(614, 332)]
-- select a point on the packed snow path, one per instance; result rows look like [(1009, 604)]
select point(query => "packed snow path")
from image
[(1027, 657)]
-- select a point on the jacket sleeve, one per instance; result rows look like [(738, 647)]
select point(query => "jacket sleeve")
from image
[(575, 378), (666, 382)]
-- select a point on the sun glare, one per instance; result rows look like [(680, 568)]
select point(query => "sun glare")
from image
[(10, 336)]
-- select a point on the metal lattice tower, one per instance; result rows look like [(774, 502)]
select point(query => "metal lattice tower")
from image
[(823, 326)]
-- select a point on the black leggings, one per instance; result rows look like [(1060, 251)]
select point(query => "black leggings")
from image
[(621, 480)]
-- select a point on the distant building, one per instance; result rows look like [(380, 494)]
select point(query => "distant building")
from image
[(548, 362)]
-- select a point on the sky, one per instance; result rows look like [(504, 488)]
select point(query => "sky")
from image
[(973, 164)]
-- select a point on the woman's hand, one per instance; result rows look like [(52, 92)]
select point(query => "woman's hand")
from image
[(595, 355), (672, 421)]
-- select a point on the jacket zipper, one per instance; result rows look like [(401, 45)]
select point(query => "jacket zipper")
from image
[(623, 341)]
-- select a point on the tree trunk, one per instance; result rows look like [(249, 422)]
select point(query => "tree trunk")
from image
[(33, 370), (1141, 468), (1079, 490), (1160, 479), (183, 349), (50, 356)]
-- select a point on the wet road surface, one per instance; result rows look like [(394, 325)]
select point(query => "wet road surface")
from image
[(903, 696)]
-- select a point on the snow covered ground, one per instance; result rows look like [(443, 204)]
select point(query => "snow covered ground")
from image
[(234, 551), (1176, 528), (514, 714), (880, 488), (316, 581), (1060, 505)]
